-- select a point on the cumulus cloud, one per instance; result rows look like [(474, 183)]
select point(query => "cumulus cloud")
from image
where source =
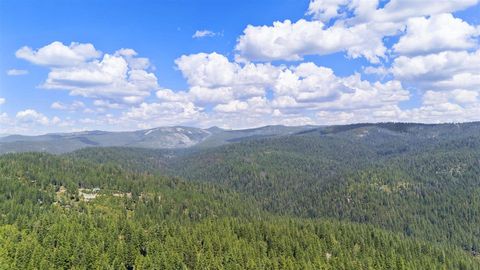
[(325, 10), (133, 60), (232, 106), (205, 95), (32, 116), (77, 68), (393, 11), (111, 77), (359, 29), (367, 95), (148, 115), (440, 71), (216, 70), (311, 87), (400, 10), (308, 82), (208, 70), (292, 41), (381, 71), (437, 33), (456, 96), (32, 122), (397, 12), (442, 112), (2, 100), (449, 81), (58, 54), (229, 94), (170, 95), (243, 90), (213, 78), (17, 72)]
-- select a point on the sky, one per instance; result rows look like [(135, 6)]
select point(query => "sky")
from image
[(76, 65)]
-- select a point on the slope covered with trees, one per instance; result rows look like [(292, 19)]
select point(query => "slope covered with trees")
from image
[(414, 179), (146, 221), (384, 196)]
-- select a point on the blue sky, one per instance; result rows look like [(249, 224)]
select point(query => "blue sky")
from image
[(332, 62)]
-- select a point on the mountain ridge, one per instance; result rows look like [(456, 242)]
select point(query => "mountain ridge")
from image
[(178, 137), (172, 137)]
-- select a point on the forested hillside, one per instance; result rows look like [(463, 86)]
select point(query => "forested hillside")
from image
[(384, 196), (419, 180), (146, 221)]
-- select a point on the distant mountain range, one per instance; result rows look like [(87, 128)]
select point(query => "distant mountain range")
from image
[(179, 137), (155, 138)]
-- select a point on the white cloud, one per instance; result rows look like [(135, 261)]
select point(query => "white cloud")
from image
[(229, 94), (440, 71), (109, 78), (393, 11), (2, 100), (313, 87), (442, 112), (464, 81), (204, 95), (32, 116), (367, 95), (459, 96), (214, 79), (400, 10), (325, 10), (133, 61), (437, 33), (241, 90), (169, 95), (31, 122), (291, 41), (58, 106), (309, 83), (359, 29), (203, 33), (215, 70), (75, 105), (465, 96), (232, 106), (380, 70), (148, 115), (121, 77), (58, 54), (17, 72), (207, 70)]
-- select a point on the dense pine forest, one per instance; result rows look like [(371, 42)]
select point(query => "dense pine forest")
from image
[(367, 196)]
